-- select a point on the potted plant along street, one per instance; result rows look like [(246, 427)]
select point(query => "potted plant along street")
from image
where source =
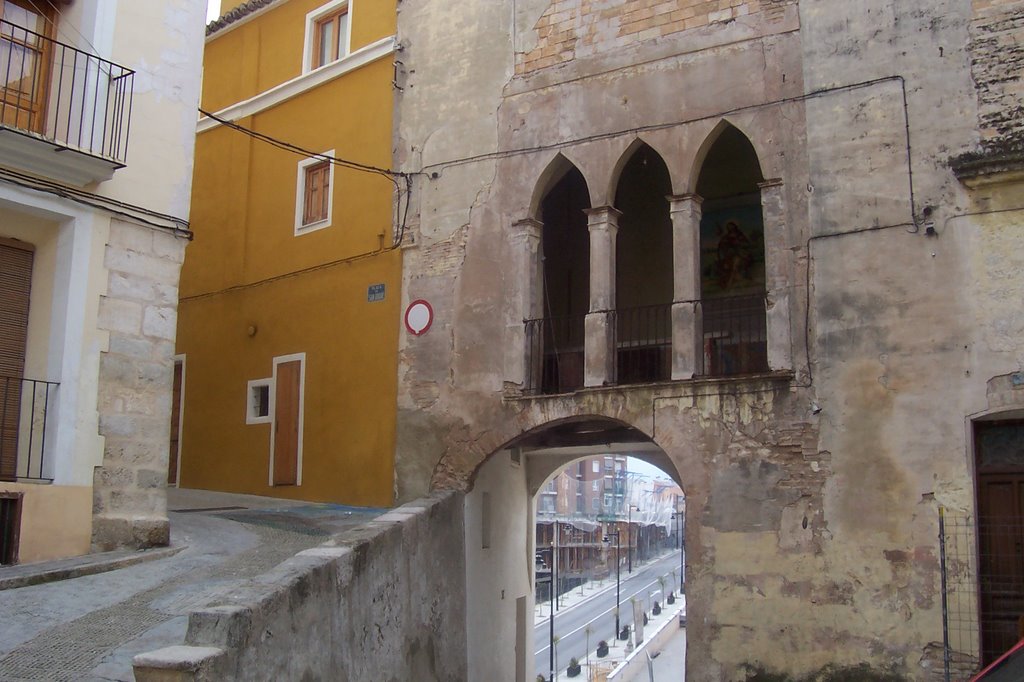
[(602, 649), (671, 598), (574, 668), (656, 609)]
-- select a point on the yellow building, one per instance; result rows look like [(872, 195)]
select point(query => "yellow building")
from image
[(289, 303)]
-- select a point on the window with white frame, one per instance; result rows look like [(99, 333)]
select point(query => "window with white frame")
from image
[(258, 401), (314, 193), (327, 34)]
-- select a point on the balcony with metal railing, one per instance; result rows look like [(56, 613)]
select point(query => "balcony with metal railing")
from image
[(733, 332), (64, 113), (25, 428)]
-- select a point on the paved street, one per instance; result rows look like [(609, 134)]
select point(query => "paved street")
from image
[(597, 609), (89, 628)]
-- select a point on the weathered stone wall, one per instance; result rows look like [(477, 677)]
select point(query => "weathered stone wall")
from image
[(997, 64), (567, 30), (139, 313), (812, 495), (384, 601)]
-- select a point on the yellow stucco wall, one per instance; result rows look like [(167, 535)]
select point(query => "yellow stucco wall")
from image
[(56, 520), (302, 294), (244, 60)]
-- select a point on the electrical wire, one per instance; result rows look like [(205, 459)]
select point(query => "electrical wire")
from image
[(178, 226), (432, 169), (400, 218), (308, 153)]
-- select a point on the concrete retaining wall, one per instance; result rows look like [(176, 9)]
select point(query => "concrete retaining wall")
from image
[(384, 601)]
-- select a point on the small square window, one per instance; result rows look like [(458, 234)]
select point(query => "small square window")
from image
[(258, 402)]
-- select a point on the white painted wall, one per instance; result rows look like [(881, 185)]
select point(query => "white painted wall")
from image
[(498, 575), (64, 341)]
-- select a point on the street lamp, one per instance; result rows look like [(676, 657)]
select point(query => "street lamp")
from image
[(551, 592), (629, 537), (616, 534), (682, 561)]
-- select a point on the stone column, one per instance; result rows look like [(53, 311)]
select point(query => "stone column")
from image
[(599, 347), (687, 334), (524, 304), (778, 275)]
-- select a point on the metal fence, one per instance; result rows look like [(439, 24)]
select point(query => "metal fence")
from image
[(24, 429), (734, 331), (643, 344), (555, 354), (63, 94), (970, 633), (735, 335)]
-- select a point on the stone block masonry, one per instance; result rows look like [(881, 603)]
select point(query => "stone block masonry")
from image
[(570, 29), (138, 313), (997, 65), (385, 601)]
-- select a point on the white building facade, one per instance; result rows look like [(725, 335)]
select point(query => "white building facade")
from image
[(96, 144)]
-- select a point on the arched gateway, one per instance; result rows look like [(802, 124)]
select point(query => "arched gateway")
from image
[(500, 539)]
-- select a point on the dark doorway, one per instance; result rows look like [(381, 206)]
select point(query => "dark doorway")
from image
[(643, 270), (565, 245), (10, 527), (999, 448), (172, 455)]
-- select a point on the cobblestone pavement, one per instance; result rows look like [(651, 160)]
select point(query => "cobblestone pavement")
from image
[(89, 628)]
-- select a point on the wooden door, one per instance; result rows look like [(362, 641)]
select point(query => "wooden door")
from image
[(286, 423), (15, 288), (1000, 462), (172, 456)]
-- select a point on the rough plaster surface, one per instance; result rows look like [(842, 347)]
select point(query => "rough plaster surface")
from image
[(380, 602), (812, 494), (138, 312)]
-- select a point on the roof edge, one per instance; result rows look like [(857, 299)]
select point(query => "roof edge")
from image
[(237, 14)]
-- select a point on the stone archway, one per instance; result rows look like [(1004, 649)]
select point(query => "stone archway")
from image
[(500, 519)]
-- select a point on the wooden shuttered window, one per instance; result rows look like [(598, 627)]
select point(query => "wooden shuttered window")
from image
[(316, 192), (15, 288)]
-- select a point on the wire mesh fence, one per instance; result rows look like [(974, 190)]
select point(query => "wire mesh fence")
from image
[(982, 566)]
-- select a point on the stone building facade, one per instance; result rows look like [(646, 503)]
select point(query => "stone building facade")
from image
[(771, 246)]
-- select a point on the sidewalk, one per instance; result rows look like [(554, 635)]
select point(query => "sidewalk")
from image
[(669, 657), (89, 627)]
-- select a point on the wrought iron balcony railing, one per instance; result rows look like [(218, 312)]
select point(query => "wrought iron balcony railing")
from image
[(643, 344), (733, 330), (64, 95), (24, 427), (555, 354), (735, 336)]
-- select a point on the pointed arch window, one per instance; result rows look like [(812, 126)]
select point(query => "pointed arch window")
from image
[(732, 258)]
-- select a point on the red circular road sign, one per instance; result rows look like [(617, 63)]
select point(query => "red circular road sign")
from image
[(418, 317)]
